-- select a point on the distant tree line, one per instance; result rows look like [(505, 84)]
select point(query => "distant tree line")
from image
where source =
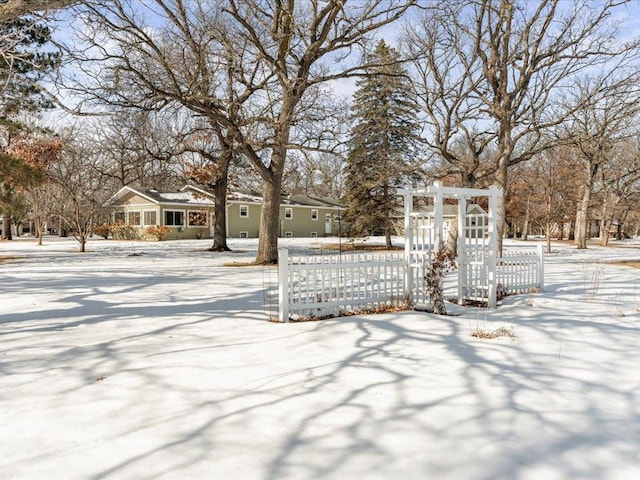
[(540, 99)]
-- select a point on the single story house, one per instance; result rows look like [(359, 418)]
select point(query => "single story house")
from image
[(189, 213), (186, 213)]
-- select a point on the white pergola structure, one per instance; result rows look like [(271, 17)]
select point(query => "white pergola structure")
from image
[(425, 234)]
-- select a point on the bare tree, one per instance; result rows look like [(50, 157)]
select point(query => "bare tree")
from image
[(78, 193), (252, 68), (136, 148), (618, 180), (319, 175), (543, 191), (513, 59), (605, 110)]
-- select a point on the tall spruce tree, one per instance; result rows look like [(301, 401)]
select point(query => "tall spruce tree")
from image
[(382, 146)]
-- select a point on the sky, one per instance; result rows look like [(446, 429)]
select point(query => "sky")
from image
[(346, 87)]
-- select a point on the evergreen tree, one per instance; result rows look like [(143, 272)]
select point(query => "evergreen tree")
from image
[(24, 61), (382, 146)]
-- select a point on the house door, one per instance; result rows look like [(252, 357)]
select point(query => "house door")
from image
[(327, 224)]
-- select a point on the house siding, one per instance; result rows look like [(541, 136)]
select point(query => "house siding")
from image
[(132, 202), (300, 224), (237, 224)]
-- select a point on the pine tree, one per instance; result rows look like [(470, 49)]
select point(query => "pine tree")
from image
[(24, 61), (382, 146)]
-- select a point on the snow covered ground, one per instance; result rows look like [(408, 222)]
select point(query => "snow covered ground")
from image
[(161, 365)]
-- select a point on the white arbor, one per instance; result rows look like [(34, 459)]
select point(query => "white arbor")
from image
[(321, 286), (425, 232)]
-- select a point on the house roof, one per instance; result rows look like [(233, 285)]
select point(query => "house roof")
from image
[(299, 200), (188, 196), (192, 195)]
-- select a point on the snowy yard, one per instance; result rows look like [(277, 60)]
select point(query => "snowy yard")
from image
[(162, 365)]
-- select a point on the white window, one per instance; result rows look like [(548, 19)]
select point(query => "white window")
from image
[(134, 218), (314, 214), (150, 217), (197, 218), (118, 217), (174, 218), (288, 213), (288, 234), (244, 234), (314, 234), (244, 211)]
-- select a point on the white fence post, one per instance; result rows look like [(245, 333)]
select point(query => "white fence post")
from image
[(283, 284), (408, 246), (541, 267), (461, 248), (492, 253)]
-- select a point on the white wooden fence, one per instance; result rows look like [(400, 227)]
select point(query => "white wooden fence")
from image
[(316, 286), (521, 270)]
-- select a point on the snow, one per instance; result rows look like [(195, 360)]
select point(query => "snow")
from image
[(161, 365), (187, 197)]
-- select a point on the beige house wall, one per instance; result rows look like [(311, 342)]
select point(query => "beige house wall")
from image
[(136, 204)]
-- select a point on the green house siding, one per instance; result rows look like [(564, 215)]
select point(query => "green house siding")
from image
[(301, 223), (236, 224), (192, 220)]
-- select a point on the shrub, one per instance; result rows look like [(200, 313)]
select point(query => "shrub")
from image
[(157, 232), (102, 230), (437, 266), (120, 231)]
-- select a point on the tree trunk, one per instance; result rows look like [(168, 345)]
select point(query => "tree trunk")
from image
[(452, 238), (501, 180), (269, 221), (39, 226), (220, 217), (583, 229), (527, 213), (271, 193), (387, 237), (604, 223), (605, 227), (6, 227), (548, 240)]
